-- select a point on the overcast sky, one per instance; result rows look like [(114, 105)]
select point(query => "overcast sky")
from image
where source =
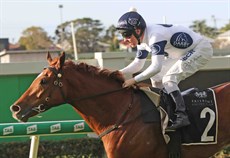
[(17, 15)]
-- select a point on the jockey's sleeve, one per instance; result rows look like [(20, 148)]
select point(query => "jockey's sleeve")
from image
[(138, 63), (157, 50)]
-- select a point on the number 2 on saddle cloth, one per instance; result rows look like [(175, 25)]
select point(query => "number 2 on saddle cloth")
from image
[(202, 111)]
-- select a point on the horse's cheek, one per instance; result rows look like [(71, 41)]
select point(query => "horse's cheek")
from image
[(39, 93)]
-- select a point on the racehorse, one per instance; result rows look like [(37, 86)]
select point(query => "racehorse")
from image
[(111, 111)]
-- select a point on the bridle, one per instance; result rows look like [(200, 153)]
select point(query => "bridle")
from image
[(43, 107), (59, 83)]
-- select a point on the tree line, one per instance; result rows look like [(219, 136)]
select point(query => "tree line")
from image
[(89, 35)]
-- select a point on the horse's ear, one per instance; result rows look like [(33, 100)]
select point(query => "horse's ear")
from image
[(48, 57), (61, 60)]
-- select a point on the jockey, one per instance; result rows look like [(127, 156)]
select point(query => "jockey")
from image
[(187, 52)]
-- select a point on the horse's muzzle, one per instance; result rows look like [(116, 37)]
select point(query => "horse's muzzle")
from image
[(16, 109)]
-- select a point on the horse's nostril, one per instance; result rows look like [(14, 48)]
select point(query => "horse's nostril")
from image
[(15, 108)]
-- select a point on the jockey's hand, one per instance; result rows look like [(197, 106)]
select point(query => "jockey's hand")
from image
[(128, 83)]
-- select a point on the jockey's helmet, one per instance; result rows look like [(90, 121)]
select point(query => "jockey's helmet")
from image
[(129, 22)]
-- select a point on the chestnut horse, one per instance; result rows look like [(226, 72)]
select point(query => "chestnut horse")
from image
[(110, 110)]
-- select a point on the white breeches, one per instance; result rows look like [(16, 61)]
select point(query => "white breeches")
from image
[(174, 71)]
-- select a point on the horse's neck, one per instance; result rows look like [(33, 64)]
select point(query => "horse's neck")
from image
[(102, 111)]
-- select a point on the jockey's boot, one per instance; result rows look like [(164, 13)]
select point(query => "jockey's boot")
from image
[(180, 112)]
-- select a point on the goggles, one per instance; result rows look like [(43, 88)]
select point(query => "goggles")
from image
[(126, 34)]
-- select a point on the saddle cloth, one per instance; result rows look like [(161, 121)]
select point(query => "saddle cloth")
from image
[(202, 112)]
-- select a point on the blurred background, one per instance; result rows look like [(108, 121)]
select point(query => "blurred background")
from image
[(37, 25)]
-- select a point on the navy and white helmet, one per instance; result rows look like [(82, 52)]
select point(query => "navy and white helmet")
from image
[(131, 21)]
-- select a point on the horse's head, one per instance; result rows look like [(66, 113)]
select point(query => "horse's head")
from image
[(42, 93)]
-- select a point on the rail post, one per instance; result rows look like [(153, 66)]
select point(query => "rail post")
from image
[(34, 146)]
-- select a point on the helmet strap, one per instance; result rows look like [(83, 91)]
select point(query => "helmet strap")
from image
[(138, 36)]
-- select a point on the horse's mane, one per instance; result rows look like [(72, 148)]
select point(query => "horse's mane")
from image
[(93, 70)]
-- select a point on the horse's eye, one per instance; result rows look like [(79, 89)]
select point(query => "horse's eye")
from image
[(43, 81)]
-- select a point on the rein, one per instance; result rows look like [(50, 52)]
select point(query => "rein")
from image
[(97, 95), (60, 85), (119, 122)]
